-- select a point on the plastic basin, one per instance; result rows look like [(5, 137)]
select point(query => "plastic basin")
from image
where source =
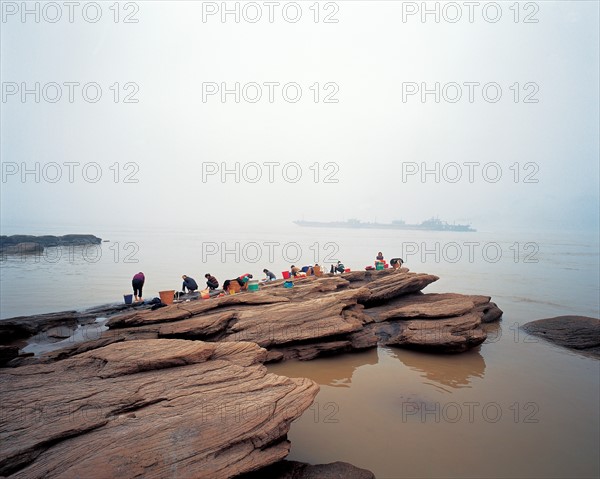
[(166, 297)]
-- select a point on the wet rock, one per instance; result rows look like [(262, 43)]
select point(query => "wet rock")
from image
[(301, 470), (23, 327), (55, 325), (578, 333), (151, 408), (490, 311), (8, 353)]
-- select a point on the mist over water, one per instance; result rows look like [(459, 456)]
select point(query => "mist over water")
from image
[(174, 176)]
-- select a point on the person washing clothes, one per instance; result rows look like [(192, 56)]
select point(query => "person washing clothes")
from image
[(211, 281), (189, 283), (339, 268), (269, 276), (138, 283)]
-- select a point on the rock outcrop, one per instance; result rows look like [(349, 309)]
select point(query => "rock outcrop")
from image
[(27, 244), (317, 317), (151, 409), (301, 470), (578, 333), (436, 322)]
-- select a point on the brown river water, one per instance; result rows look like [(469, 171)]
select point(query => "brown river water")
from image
[(515, 407)]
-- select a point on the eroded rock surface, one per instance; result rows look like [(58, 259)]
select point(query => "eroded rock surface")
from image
[(324, 316), (148, 408)]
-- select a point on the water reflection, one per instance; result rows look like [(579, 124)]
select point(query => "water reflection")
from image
[(442, 371), (335, 371), (493, 331), (64, 337)]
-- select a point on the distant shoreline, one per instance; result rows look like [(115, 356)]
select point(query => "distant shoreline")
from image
[(29, 244)]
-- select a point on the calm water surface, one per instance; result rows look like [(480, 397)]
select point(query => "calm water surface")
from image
[(514, 408)]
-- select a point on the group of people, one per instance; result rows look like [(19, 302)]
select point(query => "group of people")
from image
[(395, 263), (295, 271), (190, 285)]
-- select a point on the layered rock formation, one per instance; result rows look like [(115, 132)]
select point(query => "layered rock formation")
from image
[(318, 316), (578, 333), (153, 408)]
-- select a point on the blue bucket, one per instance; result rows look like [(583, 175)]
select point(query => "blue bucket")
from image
[(288, 284), (128, 298)]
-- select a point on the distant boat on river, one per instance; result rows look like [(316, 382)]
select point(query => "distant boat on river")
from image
[(432, 224)]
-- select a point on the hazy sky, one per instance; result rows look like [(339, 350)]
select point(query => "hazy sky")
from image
[(540, 135)]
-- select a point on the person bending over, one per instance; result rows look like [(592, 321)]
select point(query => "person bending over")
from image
[(138, 283), (243, 280), (269, 276), (396, 263)]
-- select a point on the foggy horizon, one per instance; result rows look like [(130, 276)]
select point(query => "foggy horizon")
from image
[(392, 153)]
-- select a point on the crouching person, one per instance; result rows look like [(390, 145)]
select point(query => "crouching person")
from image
[(211, 281), (189, 284)]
